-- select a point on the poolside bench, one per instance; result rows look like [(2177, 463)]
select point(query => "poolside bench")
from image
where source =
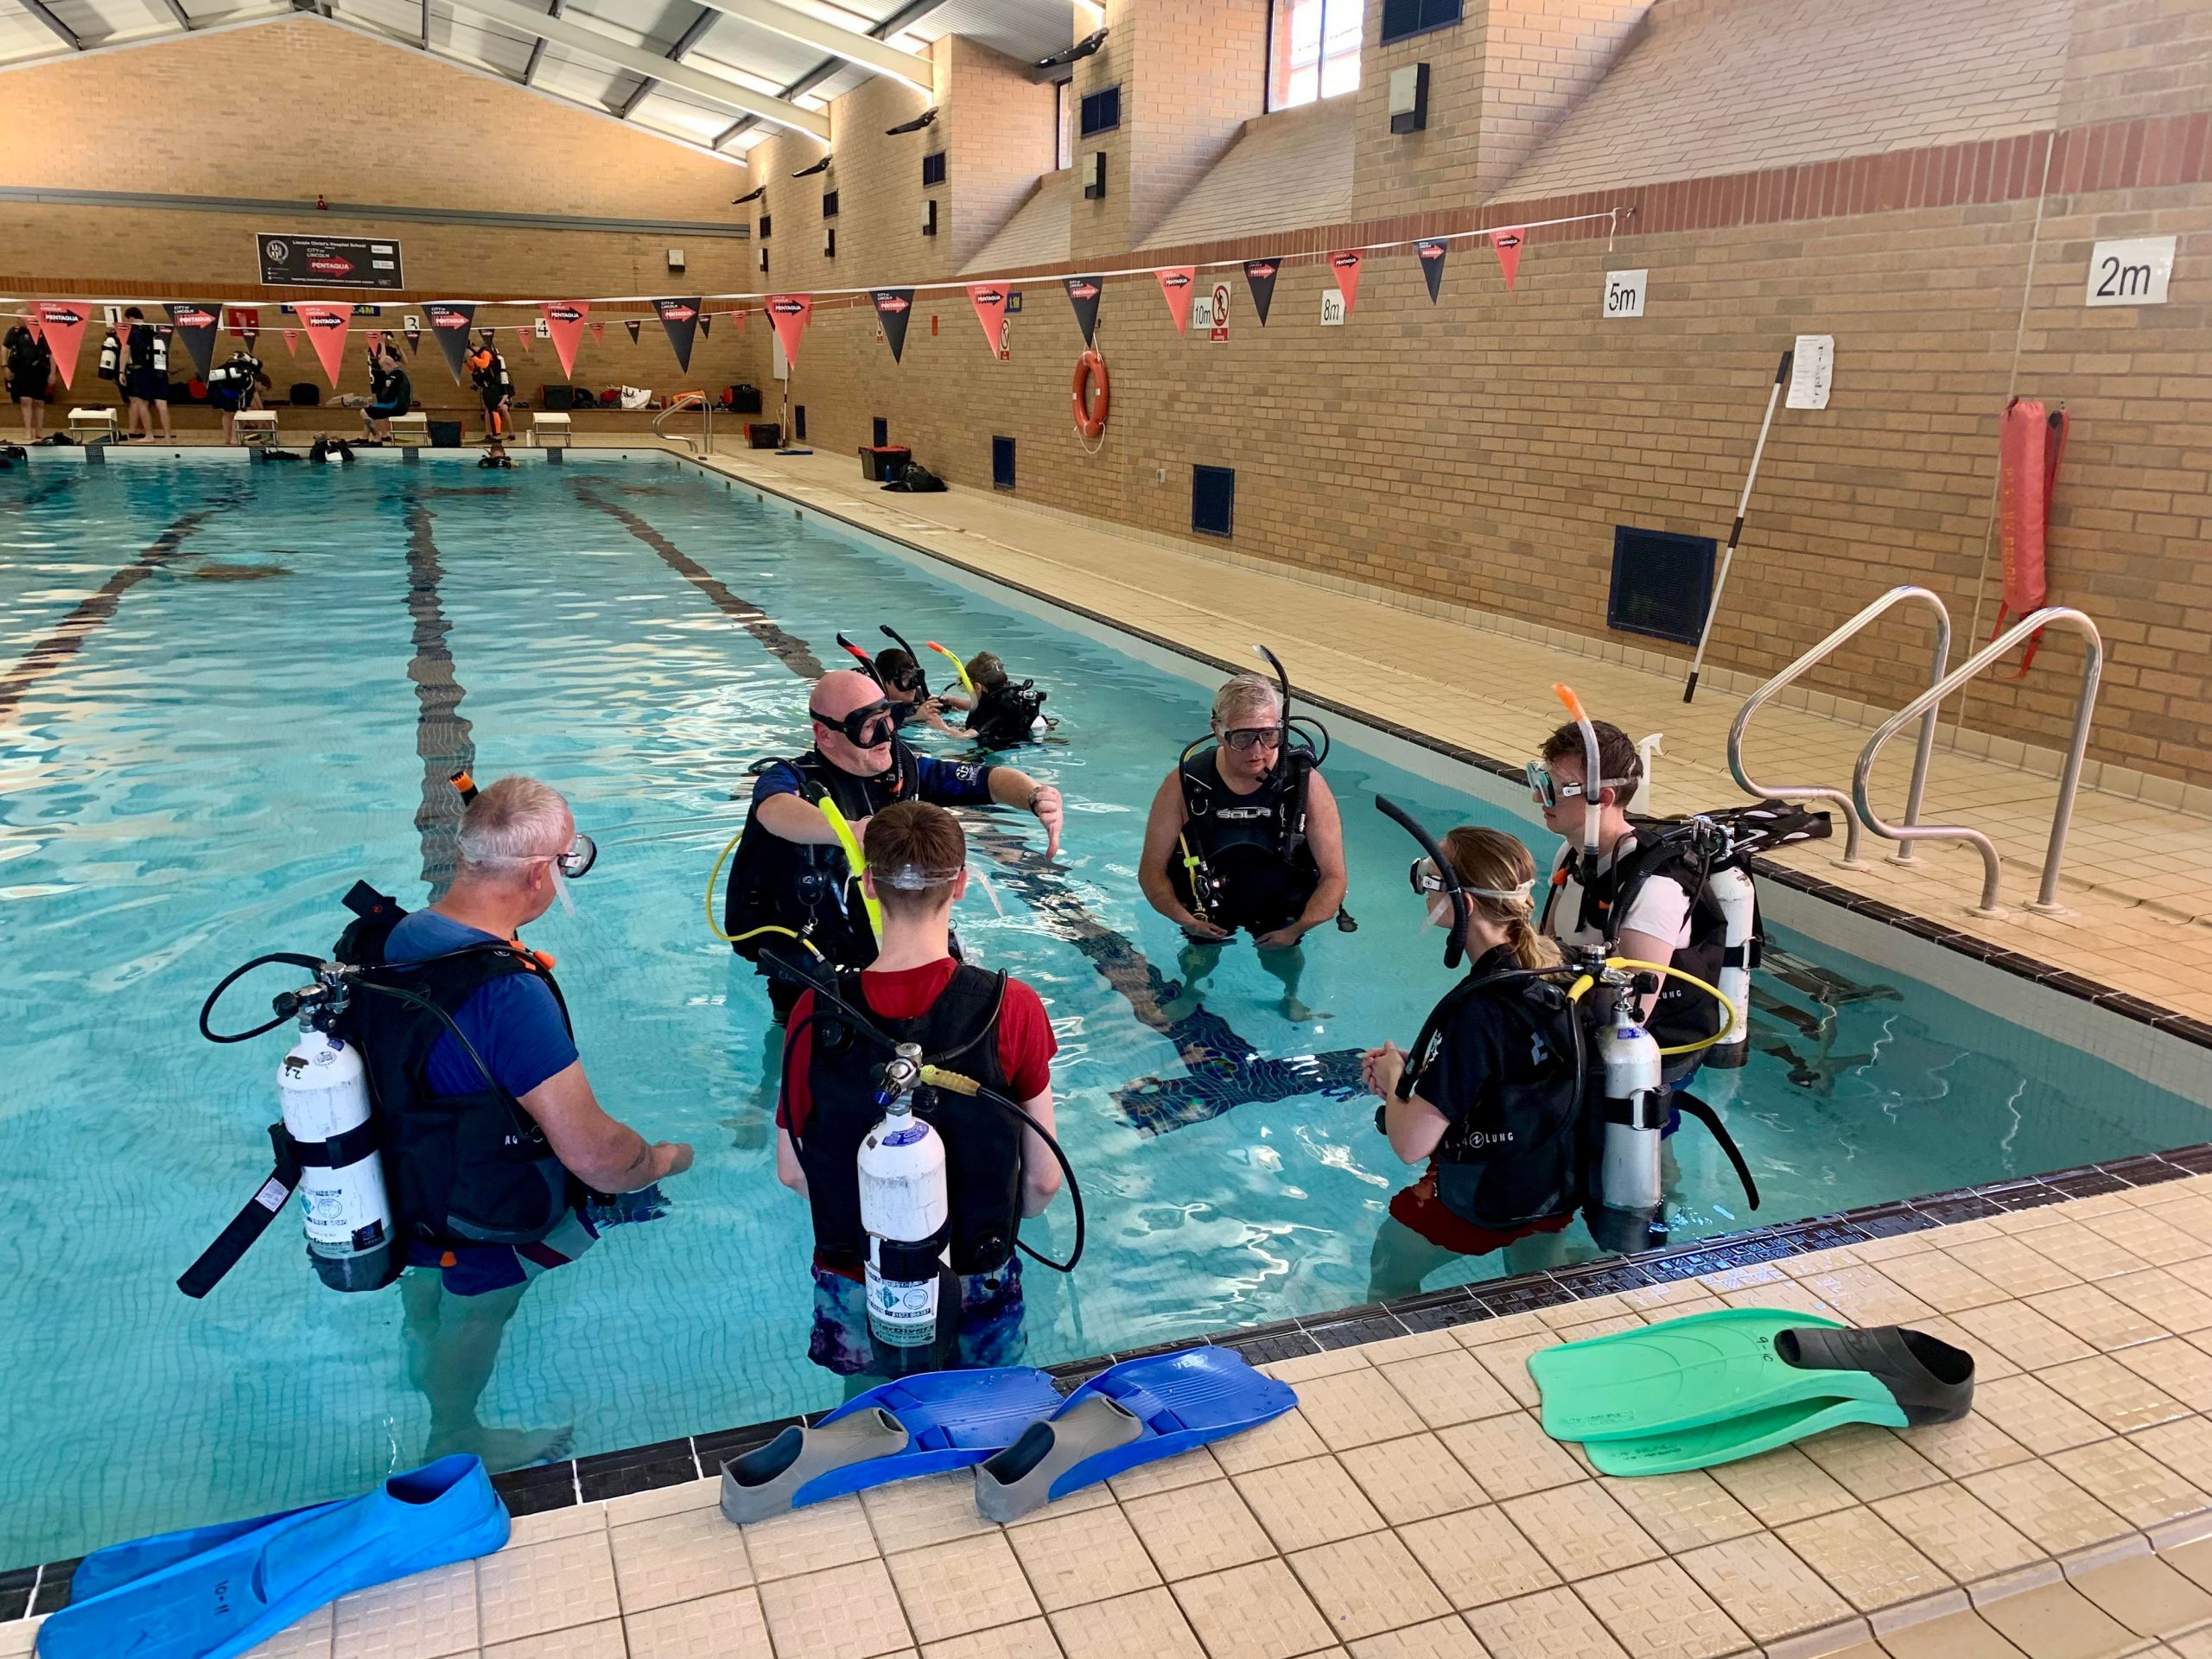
[(549, 431), (92, 425), (411, 431), (255, 425)]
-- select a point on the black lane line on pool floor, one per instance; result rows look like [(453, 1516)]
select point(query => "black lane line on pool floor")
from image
[(95, 609), (442, 737), (1223, 1069)]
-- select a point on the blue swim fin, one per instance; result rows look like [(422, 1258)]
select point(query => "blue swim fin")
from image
[(164, 1598), (1129, 1414), (921, 1425)]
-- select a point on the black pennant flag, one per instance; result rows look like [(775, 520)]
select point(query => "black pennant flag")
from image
[(1083, 294), (414, 335), (196, 325), (634, 324), (449, 328), (1260, 277), (680, 319), (1432, 265), (894, 308), (706, 325)]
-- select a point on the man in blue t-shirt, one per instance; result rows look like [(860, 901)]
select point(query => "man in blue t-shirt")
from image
[(514, 838)]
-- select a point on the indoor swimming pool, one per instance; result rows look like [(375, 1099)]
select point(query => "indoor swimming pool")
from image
[(226, 693)]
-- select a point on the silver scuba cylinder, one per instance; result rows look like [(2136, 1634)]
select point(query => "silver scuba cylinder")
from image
[(324, 1089), (1629, 1172), (905, 1210), (1733, 891)]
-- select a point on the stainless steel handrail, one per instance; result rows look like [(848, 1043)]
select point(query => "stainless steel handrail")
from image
[(1759, 698), (1926, 703), (705, 442)]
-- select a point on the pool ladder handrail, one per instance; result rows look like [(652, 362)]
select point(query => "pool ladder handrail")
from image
[(1852, 813), (1926, 705), (704, 444)]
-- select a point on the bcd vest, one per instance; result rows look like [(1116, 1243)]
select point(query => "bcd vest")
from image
[(982, 1144), (808, 887), (1253, 847), (1004, 713), (1683, 1013)]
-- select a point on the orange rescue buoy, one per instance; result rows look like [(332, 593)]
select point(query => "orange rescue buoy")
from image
[(1093, 393)]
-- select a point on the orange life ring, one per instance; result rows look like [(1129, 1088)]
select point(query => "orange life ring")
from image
[(1090, 377)]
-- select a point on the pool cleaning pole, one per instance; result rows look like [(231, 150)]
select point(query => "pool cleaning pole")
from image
[(1736, 530)]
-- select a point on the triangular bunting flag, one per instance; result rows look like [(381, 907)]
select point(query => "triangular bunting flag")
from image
[(1260, 277), (1175, 289), (1509, 242), (1431, 253), (894, 308), (565, 319), (1345, 267), (327, 327), (1082, 295), (680, 319), (291, 342), (791, 312), (527, 337), (414, 334), (634, 324), (196, 324), (449, 328), (706, 325), (62, 323), (598, 331), (989, 302)]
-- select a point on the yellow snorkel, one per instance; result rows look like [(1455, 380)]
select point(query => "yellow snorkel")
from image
[(958, 667), (855, 860)]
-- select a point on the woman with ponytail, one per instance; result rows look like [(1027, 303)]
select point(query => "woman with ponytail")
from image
[(1494, 1111)]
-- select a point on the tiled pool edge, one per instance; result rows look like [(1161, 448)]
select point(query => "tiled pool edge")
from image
[(26, 1591), (2184, 1026)]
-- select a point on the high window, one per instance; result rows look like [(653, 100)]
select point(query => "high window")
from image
[(1312, 50), (1064, 124)]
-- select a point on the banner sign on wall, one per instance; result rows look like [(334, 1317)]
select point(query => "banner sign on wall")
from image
[(1345, 267), (62, 323), (1431, 264), (680, 319), (791, 312), (327, 326), (1175, 288), (1508, 242), (894, 308), (990, 303), (564, 320), (1082, 295), (288, 260), (196, 324), (449, 328), (1260, 277)]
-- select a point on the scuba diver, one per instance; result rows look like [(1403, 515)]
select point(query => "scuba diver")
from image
[(957, 1301), (234, 384), (905, 687), (437, 1115), (391, 393), (495, 454), (1495, 1114), (798, 864), (1244, 833), (145, 374), (487, 371), (1004, 714), (30, 375)]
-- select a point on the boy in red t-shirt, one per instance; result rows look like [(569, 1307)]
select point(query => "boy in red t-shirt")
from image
[(989, 1027)]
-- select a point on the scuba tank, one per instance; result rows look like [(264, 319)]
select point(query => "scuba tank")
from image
[(1631, 1110), (324, 1089), (913, 1301), (111, 357), (1733, 891)]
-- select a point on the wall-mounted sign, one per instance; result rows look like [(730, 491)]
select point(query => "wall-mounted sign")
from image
[(1332, 308), (2133, 272), (1812, 371), (1624, 292), (328, 261)]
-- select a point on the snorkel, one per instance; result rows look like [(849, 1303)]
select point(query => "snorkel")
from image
[(958, 667), (913, 656), (1455, 942), (1282, 702), (867, 662), (1593, 777)]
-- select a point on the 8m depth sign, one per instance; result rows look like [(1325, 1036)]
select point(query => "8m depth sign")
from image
[(328, 261)]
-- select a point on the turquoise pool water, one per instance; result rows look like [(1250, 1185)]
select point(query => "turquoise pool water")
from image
[(196, 765)]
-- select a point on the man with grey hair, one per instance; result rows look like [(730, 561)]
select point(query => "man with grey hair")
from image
[(1245, 833), (493, 1139)]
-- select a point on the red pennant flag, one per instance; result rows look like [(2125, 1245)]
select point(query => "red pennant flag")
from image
[(564, 319), (989, 302), (327, 326), (63, 325), (528, 336), (291, 342), (791, 312), (598, 333), (1508, 242), (1344, 266), (1175, 289)]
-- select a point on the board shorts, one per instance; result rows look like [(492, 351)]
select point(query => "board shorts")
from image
[(150, 385), (1419, 1211), (990, 1320), (477, 1269), (384, 411)]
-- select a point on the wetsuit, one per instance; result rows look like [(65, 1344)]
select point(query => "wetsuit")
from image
[(30, 364)]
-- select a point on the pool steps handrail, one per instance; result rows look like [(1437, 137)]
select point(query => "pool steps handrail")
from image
[(1926, 706), (702, 445), (1853, 814)]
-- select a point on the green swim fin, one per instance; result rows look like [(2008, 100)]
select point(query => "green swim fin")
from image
[(1712, 1388)]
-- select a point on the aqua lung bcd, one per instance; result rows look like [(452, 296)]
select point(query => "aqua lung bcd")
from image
[(111, 366), (923, 1208), (1623, 1108), (1244, 859)]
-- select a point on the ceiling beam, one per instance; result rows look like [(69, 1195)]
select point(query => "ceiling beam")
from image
[(690, 38), (183, 18), (904, 18), (538, 51), (38, 10), (713, 89), (865, 51)]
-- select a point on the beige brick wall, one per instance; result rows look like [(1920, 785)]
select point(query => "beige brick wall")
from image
[(2137, 57)]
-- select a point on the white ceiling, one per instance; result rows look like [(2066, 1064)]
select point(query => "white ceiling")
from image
[(717, 50)]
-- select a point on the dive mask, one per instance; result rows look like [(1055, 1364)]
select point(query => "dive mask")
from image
[(866, 727), (1549, 792), (1245, 738), (1425, 879)]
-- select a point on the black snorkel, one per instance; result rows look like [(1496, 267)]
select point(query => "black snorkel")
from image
[(921, 679), (1455, 942), (867, 662)]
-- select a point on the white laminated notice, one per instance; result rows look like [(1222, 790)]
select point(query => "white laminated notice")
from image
[(1812, 371)]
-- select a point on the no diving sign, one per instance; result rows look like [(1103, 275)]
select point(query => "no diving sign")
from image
[(1210, 313)]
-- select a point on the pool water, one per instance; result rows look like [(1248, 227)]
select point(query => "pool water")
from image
[(196, 763)]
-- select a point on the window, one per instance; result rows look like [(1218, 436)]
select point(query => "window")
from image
[(1001, 463), (1102, 111), (1063, 126), (828, 204), (1313, 49), (880, 432), (1213, 500), (1404, 17), (1661, 583), (764, 227), (932, 170)]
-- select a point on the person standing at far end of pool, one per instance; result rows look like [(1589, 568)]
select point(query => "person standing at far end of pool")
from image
[(988, 1026), (793, 874), (145, 368)]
